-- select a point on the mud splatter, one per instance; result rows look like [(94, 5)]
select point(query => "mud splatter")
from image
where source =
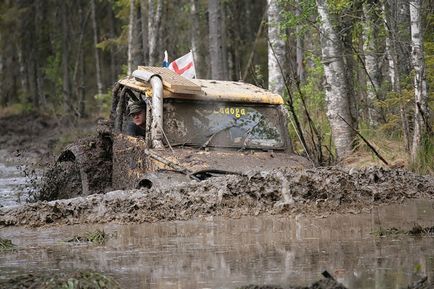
[(313, 191)]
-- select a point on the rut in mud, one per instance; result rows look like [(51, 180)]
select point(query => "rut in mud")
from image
[(312, 191)]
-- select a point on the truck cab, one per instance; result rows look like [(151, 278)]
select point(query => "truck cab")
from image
[(203, 128)]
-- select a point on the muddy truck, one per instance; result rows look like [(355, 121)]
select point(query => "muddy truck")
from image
[(195, 129)]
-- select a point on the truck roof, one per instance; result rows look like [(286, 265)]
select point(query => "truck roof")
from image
[(178, 87)]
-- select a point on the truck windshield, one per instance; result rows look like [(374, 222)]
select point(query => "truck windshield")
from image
[(213, 124)]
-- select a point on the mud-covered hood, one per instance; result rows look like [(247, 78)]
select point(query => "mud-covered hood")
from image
[(233, 161)]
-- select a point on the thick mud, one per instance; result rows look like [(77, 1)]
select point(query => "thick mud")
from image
[(320, 191)]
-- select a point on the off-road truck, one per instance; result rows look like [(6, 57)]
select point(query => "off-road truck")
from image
[(195, 129)]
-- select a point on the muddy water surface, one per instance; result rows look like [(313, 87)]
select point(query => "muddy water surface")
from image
[(13, 185), (222, 253)]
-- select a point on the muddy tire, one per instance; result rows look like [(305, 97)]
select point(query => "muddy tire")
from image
[(62, 181), (82, 169)]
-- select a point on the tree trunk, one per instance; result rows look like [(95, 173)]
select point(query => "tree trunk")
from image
[(95, 43), (216, 40), (144, 29), (276, 49), (24, 75), (114, 71), (338, 105), (394, 73), (39, 81), (79, 65), (81, 88), (154, 23), (137, 43), (2, 90), (65, 60), (370, 36), (196, 39), (421, 114), (130, 38), (301, 74)]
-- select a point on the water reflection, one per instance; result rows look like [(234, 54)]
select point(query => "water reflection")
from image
[(218, 253)]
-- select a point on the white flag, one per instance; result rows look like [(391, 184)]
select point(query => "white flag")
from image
[(184, 66)]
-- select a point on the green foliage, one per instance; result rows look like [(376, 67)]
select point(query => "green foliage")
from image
[(338, 6), (306, 8)]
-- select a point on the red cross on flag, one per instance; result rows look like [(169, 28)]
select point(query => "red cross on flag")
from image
[(184, 66)]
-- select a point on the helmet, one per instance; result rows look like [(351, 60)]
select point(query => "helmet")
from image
[(136, 107)]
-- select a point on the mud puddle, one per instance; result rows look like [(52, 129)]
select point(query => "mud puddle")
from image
[(223, 253), (14, 185)]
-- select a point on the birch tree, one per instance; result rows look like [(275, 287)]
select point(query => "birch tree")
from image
[(421, 115), (336, 88), (393, 71), (276, 49), (216, 40), (370, 49), (299, 54)]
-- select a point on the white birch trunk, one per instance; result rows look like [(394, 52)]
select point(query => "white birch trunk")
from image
[(299, 49), (370, 36), (394, 74), (336, 89), (216, 40), (420, 90), (276, 49), (130, 38), (95, 42)]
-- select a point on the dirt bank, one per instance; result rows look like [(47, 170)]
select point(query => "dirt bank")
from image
[(319, 191)]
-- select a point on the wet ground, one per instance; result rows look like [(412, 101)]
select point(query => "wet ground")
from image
[(222, 253)]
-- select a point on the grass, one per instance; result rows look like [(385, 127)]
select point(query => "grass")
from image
[(392, 150), (6, 245), (98, 237)]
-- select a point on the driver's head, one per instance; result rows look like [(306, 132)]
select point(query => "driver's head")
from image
[(137, 110)]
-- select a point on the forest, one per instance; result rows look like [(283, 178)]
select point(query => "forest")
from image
[(355, 75)]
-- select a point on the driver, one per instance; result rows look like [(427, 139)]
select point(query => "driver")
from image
[(137, 110)]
